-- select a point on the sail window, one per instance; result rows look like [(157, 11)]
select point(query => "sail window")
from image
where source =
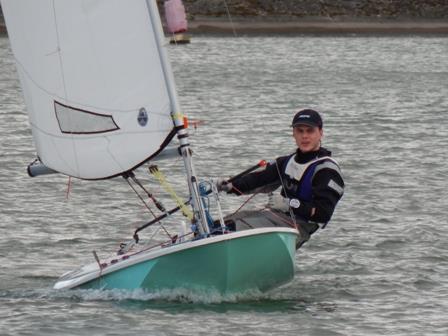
[(75, 121)]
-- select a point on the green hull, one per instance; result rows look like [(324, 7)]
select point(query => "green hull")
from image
[(252, 262)]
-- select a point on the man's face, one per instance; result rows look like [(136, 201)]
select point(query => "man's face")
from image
[(307, 137)]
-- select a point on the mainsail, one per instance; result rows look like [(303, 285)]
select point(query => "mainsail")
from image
[(98, 98)]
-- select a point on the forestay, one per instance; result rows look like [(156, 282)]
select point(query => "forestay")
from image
[(92, 75)]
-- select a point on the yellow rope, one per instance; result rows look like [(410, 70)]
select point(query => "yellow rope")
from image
[(154, 170)]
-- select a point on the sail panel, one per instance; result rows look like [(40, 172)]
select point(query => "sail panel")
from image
[(76, 121), (93, 82)]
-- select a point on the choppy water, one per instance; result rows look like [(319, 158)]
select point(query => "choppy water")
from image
[(381, 265)]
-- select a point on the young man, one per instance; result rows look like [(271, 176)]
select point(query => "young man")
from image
[(311, 180)]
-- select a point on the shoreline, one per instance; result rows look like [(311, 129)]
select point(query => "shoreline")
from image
[(281, 25), (315, 26)]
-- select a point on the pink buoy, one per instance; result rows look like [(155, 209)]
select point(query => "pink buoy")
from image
[(176, 18)]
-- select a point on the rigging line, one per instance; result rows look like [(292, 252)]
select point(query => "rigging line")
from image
[(147, 206), (230, 18), (151, 196), (291, 224), (173, 38), (154, 170), (139, 196), (69, 185), (167, 233), (291, 213), (245, 202)]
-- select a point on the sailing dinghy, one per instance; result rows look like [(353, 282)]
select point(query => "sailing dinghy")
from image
[(102, 102)]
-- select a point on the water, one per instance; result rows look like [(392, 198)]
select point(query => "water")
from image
[(381, 265)]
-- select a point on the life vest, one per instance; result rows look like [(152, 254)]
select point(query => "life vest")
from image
[(299, 177)]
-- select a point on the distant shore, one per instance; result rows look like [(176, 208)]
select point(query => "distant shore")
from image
[(206, 25), (314, 26)]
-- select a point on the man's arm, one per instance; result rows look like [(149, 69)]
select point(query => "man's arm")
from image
[(328, 188), (262, 181)]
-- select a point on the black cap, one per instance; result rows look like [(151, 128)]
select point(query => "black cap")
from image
[(307, 117)]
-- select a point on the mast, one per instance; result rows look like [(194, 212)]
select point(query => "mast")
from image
[(182, 133)]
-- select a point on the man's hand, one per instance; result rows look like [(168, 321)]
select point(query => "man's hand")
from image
[(223, 185), (278, 202)]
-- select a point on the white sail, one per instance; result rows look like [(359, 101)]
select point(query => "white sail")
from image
[(97, 96)]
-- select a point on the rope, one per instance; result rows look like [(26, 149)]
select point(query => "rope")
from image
[(154, 170), (146, 205), (291, 213), (140, 197), (69, 185), (291, 224), (245, 202), (230, 18), (151, 196)]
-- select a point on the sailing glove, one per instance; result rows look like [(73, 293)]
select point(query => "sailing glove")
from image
[(223, 185), (278, 202)]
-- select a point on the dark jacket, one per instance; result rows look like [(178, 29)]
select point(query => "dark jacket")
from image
[(327, 185)]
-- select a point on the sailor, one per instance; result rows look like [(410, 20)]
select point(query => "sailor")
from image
[(310, 178)]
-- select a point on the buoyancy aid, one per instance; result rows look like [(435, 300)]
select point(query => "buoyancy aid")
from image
[(299, 177)]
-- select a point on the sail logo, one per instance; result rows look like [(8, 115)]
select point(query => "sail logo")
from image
[(142, 117)]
